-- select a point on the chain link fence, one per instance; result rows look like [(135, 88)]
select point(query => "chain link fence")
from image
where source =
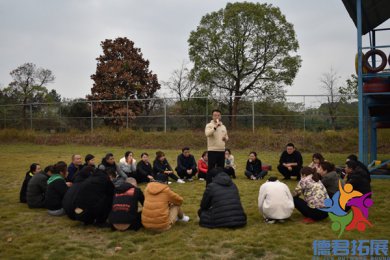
[(307, 112)]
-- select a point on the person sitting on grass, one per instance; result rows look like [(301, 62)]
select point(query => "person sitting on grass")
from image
[(68, 202), (202, 166), (144, 169), (253, 169), (124, 213), (329, 177), (161, 165), (186, 165), (314, 195), (108, 162), (357, 177), (89, 160), (128, 164), (221, 205), (56, 189), (161, 206), (75, 166), (93, 202), (37, 187), (34, 169), (317, 159), (290, 162), (230, 167), (275, 201), (360, 167)]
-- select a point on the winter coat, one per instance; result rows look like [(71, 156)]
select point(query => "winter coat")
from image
[(127, 168), (125, 204), (214, 136), (56, 189), (115, 167), (254, 167), (359, 181), (185, 163), (221, 205), (275, 200), (161, 166), (202, 166), (68, 202), (331, 182), (36, 190), (314, 193), (144, 169), (155, 213), (72, 171)]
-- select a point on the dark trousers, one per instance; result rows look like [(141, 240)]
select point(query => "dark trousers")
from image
[(96, 214), (287, 174), (308, 212), (202, 175), (230, 171), (259, 175), (216, 159), (173, 176), (183, 174)]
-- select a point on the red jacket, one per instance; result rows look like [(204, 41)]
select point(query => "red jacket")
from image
[(202, 166)]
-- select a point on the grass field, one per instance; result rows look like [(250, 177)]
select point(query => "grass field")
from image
[(32, 234)]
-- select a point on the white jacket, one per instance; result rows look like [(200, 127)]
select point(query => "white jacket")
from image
[(127, 168), (275, 200)]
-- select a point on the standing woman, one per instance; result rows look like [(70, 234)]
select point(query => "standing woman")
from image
[(161, 165), (314, 195), (230, 167)]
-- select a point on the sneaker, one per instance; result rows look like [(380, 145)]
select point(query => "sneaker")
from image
[(269, 221), (169, 182), (184, 219), (308, 220), (253, 177), (201, 179), (190, 179), (180, 181)]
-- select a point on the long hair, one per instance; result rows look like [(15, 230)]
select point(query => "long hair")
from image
[(306, 171)]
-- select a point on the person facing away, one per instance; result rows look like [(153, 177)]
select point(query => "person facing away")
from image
[(230, 166), (329, 177), (275, 201), (56, 189), (74, 167), (93, 202), (317, 159), (161, 206), (186, 165), (124, 213), (34, 169), (357, 177), (108, 162), (161, 165), (68, 202), (144, 169), (202, 166), (37, 187), (314, 195), (217, 136), (128, 164), (290, 162), (253, 168), (221, 204)]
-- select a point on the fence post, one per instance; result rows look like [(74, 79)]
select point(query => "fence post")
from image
[(165, 115), (207, 108), (5, 117), (91, 117), (31, 123), (127, 114), (253, 115), (304, 113)]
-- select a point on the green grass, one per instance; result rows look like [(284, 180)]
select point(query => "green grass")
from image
[(32, 234)]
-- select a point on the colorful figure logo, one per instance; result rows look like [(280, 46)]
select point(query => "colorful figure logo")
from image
[(357, 217)]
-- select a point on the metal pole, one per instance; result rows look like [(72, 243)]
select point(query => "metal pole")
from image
[(253, 115), (207, 108), (31, 123), (304, 113), (127, 114), (91, 117), (360, 80), (165, 115)]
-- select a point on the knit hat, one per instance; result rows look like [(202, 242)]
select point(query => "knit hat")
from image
[(88, 157), (162, 178)]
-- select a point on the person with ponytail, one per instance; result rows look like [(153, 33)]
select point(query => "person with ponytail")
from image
[(314, 195)]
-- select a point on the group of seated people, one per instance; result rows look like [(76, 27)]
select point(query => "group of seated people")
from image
[(109, 191)]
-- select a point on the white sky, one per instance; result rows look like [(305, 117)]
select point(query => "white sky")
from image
[(64, 36)]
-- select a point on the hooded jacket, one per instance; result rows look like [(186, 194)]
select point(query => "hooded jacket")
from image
[(125, 204), (221, 205), (155, 213), (214, 136), (36, 190)]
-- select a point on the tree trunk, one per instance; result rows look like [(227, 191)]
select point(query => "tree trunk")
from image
[(235, 110)]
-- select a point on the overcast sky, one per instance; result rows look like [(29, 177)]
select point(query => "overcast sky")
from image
[(64, 36)]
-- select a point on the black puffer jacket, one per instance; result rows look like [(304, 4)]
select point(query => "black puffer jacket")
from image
[(221, 205)]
